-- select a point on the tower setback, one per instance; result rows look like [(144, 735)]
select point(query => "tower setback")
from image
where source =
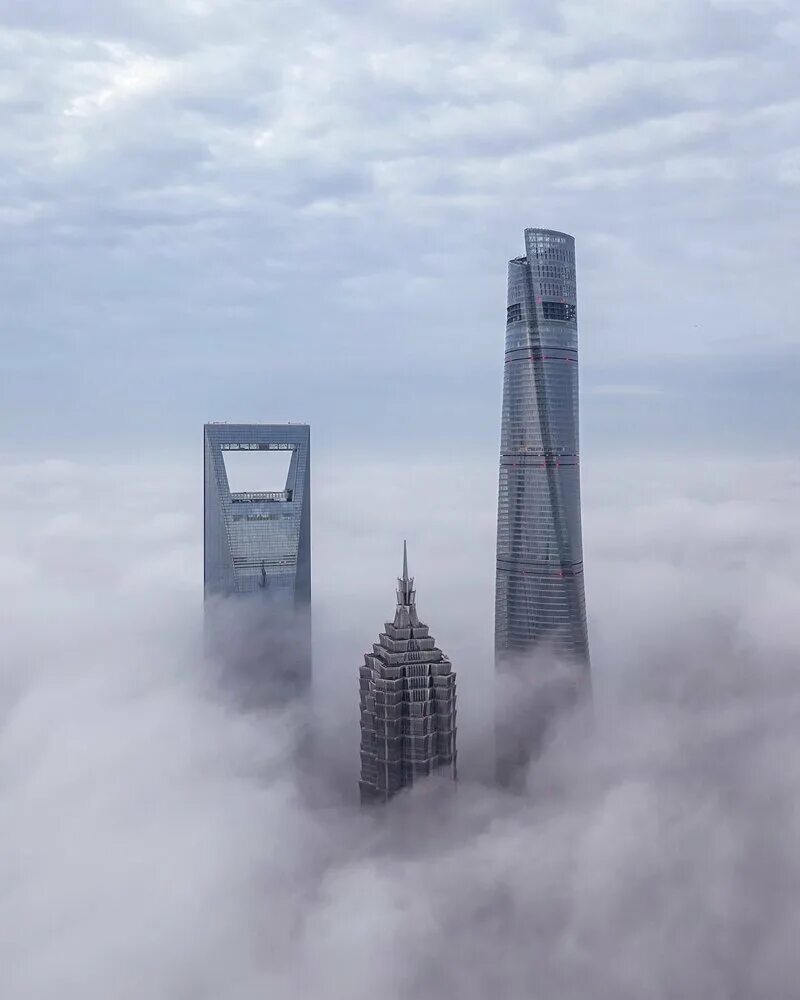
[(408, 703)]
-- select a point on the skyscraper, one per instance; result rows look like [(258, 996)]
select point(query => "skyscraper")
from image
[(539, 599), (408, 703), (258, 562)]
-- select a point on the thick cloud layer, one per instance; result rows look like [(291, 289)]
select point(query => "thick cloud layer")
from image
[(157, 842), (217, 192)]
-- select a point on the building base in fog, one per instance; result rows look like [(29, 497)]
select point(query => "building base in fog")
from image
[(536, 693), (260, 646)]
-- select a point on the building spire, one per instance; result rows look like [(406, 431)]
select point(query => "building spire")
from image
[(405, 583)]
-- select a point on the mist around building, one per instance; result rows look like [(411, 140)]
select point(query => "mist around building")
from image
[(282, 789), (239, 797), (399, 595), (159, 838)]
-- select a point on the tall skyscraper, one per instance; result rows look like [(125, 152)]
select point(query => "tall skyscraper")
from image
[(408, 703), (258, 563), (539, 600)]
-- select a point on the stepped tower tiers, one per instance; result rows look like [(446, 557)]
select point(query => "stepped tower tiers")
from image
[(408, 703), (540, 609)]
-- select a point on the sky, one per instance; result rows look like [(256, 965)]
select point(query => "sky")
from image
[(303, 210), (272, 211)]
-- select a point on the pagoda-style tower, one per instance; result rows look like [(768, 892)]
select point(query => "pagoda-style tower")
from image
[(408, 703)]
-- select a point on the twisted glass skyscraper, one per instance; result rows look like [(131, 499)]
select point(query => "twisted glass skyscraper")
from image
[(539, 601)]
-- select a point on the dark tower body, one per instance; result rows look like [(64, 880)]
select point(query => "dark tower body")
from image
[(408, 704)]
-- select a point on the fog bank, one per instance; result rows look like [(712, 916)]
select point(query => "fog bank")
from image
[(160, 843)]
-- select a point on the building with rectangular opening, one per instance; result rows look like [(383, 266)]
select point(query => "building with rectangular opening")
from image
[(257, 559)]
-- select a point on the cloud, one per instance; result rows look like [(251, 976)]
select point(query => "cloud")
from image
[(626, 390), (210, 208), (158, 163), (159, 842)]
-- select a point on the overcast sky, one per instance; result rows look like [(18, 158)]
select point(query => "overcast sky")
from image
[(303, 210), (255, 210)]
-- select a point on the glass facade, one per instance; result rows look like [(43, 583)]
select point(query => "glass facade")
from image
[(258, 550), (408, 704), (539, 598)]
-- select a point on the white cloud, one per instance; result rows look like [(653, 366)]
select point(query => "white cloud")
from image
[(200, 139), (158, 842), (626, 390)]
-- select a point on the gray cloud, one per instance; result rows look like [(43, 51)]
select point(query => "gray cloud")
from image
[(246, 186), (626, 389), (157, 842)]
